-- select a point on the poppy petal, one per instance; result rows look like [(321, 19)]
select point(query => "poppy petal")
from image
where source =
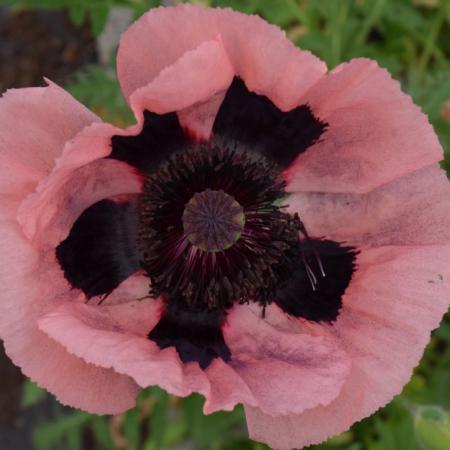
[(48, 214), (91, 144), (256, 124), (36, 124), (319, 298), (195, 334), (136, 286), (134, 317), (100, 251), (59, 211), (375, 133), (161, 136), (259, 53), (189, 86), (90, 332), (288, 368), (412, 283), (409, 211), (226, 388), (46, 362)]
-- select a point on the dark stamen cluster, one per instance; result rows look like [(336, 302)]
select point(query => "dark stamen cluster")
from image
[(260, 251)]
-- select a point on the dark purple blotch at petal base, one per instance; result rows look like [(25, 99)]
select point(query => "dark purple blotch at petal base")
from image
[(196, 334), (161, 136), (254, 122), (100, 251), (333, 266), (245, 120)]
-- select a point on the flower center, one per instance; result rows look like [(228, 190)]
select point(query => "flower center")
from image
[(213, 220), (210, 231)]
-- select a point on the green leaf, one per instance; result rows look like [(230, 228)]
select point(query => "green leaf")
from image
[(214, 430), (99, 90), (158, 419), (50, 4), (31, 394), (77, 14), (99, 16), (432, 427), (131, 428), (50, 434), (74, 440), (102, 434)]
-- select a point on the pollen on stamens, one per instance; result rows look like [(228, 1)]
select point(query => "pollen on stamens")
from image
[(213, 220)]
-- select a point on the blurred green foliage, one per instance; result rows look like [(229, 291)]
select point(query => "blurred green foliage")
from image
[(411, 39), (96, 11)]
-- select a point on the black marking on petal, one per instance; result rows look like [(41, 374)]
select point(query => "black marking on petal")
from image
[(100, 251), (253, 120), (161, 136), (196, 334), (297, 297)]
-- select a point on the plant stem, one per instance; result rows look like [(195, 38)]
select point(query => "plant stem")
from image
[(431, 41)]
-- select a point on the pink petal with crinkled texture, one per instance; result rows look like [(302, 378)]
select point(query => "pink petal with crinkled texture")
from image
[(91, 331), (285, 370), (226, 388), (9, 204), (198, 120), (397, 296), (259, 53), (412, 210), (135, 287), (199, 75), (375, 133), (48, 214), (314, 362), (31, 282), (132, 318), (36, 123), (92, 143)]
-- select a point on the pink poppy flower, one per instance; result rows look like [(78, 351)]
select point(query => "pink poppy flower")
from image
[(268, 233)]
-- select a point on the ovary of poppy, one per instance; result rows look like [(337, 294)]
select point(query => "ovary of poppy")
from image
[(267, 233)]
